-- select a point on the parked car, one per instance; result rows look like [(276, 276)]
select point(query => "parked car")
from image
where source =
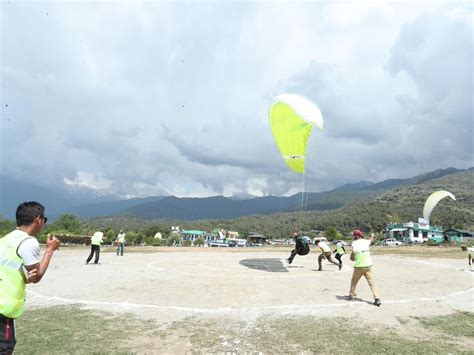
[(392, 241), (218, 244), (232, 243)]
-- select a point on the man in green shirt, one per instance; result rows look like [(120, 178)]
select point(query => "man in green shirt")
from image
[(363, 265), (96, 241)]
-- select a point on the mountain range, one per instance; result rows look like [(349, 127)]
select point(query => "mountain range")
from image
[(86, 204)]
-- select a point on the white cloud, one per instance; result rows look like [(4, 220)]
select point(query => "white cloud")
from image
[(146, 98)]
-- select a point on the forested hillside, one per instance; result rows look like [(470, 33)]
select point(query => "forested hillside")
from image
[(400, 204)]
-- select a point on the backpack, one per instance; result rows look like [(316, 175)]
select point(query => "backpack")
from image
[(302, 246)]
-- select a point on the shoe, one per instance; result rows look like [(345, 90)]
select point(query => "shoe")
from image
[(377, 302), (289, 261), (340, 267), (320, 269), (349, 298), (86, 263)]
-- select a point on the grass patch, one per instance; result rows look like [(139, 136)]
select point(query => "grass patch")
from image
[(448, 252), (67, 330), (457, 324), (309, 335)]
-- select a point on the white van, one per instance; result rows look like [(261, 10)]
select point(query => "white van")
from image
[(241, 242), (392, 241)]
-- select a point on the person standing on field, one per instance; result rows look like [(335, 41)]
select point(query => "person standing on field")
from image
[(360, 255), (20, 264), (96, 241), (120, 242)]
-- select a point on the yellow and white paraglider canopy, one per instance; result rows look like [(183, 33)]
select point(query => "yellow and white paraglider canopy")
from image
[(291, 118), (433, 200)]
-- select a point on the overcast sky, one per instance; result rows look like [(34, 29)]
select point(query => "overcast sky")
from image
[(147, 98)]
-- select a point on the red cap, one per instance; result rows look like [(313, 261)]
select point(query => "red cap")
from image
[(357, 233)]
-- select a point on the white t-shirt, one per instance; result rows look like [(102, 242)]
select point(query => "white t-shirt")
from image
[(470, 251), (360, 245), (324, 247), (29, 249), (121, 237)]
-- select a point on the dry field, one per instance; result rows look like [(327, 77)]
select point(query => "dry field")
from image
[(182, 300)]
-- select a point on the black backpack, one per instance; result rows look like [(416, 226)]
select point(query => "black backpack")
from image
[(302, 246)]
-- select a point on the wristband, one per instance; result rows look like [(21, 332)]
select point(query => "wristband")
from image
[(49, 252)]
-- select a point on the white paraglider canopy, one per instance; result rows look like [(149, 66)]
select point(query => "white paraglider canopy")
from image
[(433, 200)]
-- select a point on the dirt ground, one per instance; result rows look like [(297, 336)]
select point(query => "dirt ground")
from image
[(171, 284)]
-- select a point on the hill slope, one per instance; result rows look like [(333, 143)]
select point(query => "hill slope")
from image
[(372, 214)]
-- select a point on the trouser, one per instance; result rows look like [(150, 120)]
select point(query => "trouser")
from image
[(327, 256), (367, 273), (292, 255), (95, 249), (120, 248), (7, 335), (339, 257)]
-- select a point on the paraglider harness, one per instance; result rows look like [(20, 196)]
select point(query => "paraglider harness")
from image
[(302, 246)]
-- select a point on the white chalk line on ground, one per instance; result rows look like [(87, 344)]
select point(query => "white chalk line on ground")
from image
[(314, 272), (285, 308)]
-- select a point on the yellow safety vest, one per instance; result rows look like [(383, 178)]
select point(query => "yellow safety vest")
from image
[(339, 249), (96, 239), (12, 276)]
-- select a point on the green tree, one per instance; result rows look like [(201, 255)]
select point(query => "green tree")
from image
[(67, 222), (139, 238), (6, 226), (109, 236), (173, 239), (330, 233)]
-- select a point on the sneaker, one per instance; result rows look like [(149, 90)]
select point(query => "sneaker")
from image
[(320, 269), (350, 298), (289, 261), (377, 302), (340, 266)]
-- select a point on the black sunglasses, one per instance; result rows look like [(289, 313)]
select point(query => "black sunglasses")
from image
[(45, 219)]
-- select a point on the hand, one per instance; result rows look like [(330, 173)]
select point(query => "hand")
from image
[(32, 274), (52, 243)]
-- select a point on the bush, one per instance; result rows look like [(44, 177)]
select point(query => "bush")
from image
[(199, 242), (174, 239), (156, 242), (187, 243)]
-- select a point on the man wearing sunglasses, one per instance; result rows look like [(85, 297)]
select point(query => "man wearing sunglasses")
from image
[(20, 264)]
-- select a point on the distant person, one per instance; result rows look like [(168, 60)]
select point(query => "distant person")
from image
[(120, 242), (20, 264), (96, 241), (363, 265), (469, 251), (339, 252), (301, 247), (325, 254)]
